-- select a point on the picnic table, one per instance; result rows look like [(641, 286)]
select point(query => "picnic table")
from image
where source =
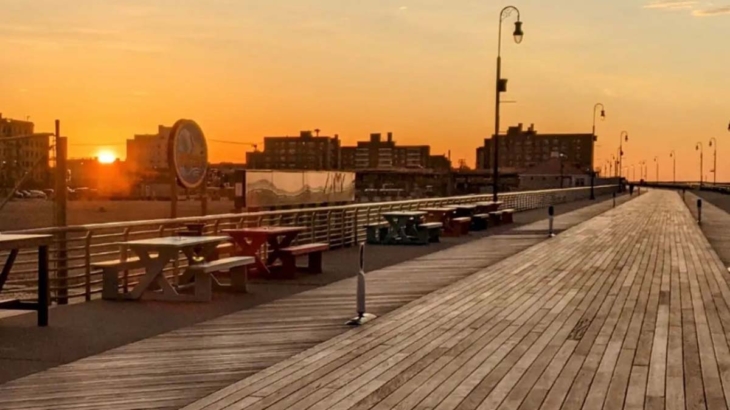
[(155, 254), (465, 210), (13, 244), (487, 207), (251, 241), (403, 226)]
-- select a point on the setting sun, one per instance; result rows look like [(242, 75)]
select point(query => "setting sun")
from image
[(106, 157)]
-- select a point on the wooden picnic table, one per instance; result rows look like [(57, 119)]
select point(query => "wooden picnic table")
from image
[(156, 253), (465, 210), (403, 226), (13, 244), (251, 241), (487, 207)]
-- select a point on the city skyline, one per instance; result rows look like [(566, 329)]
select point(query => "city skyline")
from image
[(423, 70)]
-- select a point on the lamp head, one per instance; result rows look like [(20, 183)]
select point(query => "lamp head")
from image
[(518, 34), (603, 114), (710, 142)]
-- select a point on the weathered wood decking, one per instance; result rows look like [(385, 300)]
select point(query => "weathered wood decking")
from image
[(628, 310), (180, 367)]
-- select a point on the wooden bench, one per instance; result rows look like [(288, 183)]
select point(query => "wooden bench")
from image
[(206, 281), (430, 232), (461, 225), (479, 222), (314, 250), (376, 233), (507, 216), (110, 275)]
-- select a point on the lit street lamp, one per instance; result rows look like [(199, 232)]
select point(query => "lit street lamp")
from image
[(501, 85), (699, 148), (673, 155), (713, 143)]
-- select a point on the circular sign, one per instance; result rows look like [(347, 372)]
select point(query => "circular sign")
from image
[(188, 153)]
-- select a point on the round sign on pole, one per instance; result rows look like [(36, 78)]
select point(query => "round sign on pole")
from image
[(188, 153)]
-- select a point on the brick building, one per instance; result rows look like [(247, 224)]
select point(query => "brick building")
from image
[(25, 155), (305, 152), (377, 153), (522, 149), (147, 152)]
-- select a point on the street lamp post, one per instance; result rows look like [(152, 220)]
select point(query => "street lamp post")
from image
[(713, 143), (673, 155), (633, 172), (701, 149), (603, 115), (656, 161), (501, 86), (624, 136)]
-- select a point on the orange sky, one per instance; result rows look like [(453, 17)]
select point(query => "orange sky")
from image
[(423, 69)]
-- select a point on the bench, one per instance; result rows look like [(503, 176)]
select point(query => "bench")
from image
[(430, 232), (314, 250), (507, 216), (479, 222), (376, 233), (110, 275), (206, 281), (495, 218), (461, 225)]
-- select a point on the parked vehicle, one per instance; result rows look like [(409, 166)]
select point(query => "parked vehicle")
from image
[(38, 194)]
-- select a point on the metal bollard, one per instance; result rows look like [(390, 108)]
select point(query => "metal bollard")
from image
[(614, 200), (699, 211), (362, 317), (551, 215)]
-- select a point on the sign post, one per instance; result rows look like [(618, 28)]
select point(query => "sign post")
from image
[(187, 155)]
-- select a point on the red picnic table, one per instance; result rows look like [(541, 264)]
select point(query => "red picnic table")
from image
[(251, 241)]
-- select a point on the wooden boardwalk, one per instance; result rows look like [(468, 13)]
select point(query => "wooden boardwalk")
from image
[(175, 369), (628, 310)]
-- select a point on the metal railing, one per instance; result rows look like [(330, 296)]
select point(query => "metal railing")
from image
[(76, 248)]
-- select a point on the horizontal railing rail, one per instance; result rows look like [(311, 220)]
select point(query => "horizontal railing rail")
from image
[(76, 248)]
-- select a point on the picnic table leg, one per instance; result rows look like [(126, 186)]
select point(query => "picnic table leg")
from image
[(43, 293), (253, 249), (276, 244), (154, 268), (8, 266)]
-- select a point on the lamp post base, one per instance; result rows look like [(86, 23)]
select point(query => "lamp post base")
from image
[(361, 319)]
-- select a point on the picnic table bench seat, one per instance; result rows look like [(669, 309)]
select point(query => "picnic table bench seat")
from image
[(236, 265), (376, 232), (430, 232), (110, 274), (495, 218), (479, 222), (461, 225), (507, 216), (314, 252)]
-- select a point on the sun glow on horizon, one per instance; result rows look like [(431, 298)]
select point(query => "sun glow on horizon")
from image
[(106, 157)]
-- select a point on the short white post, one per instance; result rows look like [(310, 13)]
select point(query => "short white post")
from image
[(551, 215), (362, 317), (699, 211)]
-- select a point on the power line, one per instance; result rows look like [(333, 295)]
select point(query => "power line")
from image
[(232, 142)]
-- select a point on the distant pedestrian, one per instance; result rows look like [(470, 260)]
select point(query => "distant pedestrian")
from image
[(631, 189)]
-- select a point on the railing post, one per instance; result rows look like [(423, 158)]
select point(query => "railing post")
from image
[(123, 258), (329, 228), (61, 269), (356, 227), (87, 265)]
